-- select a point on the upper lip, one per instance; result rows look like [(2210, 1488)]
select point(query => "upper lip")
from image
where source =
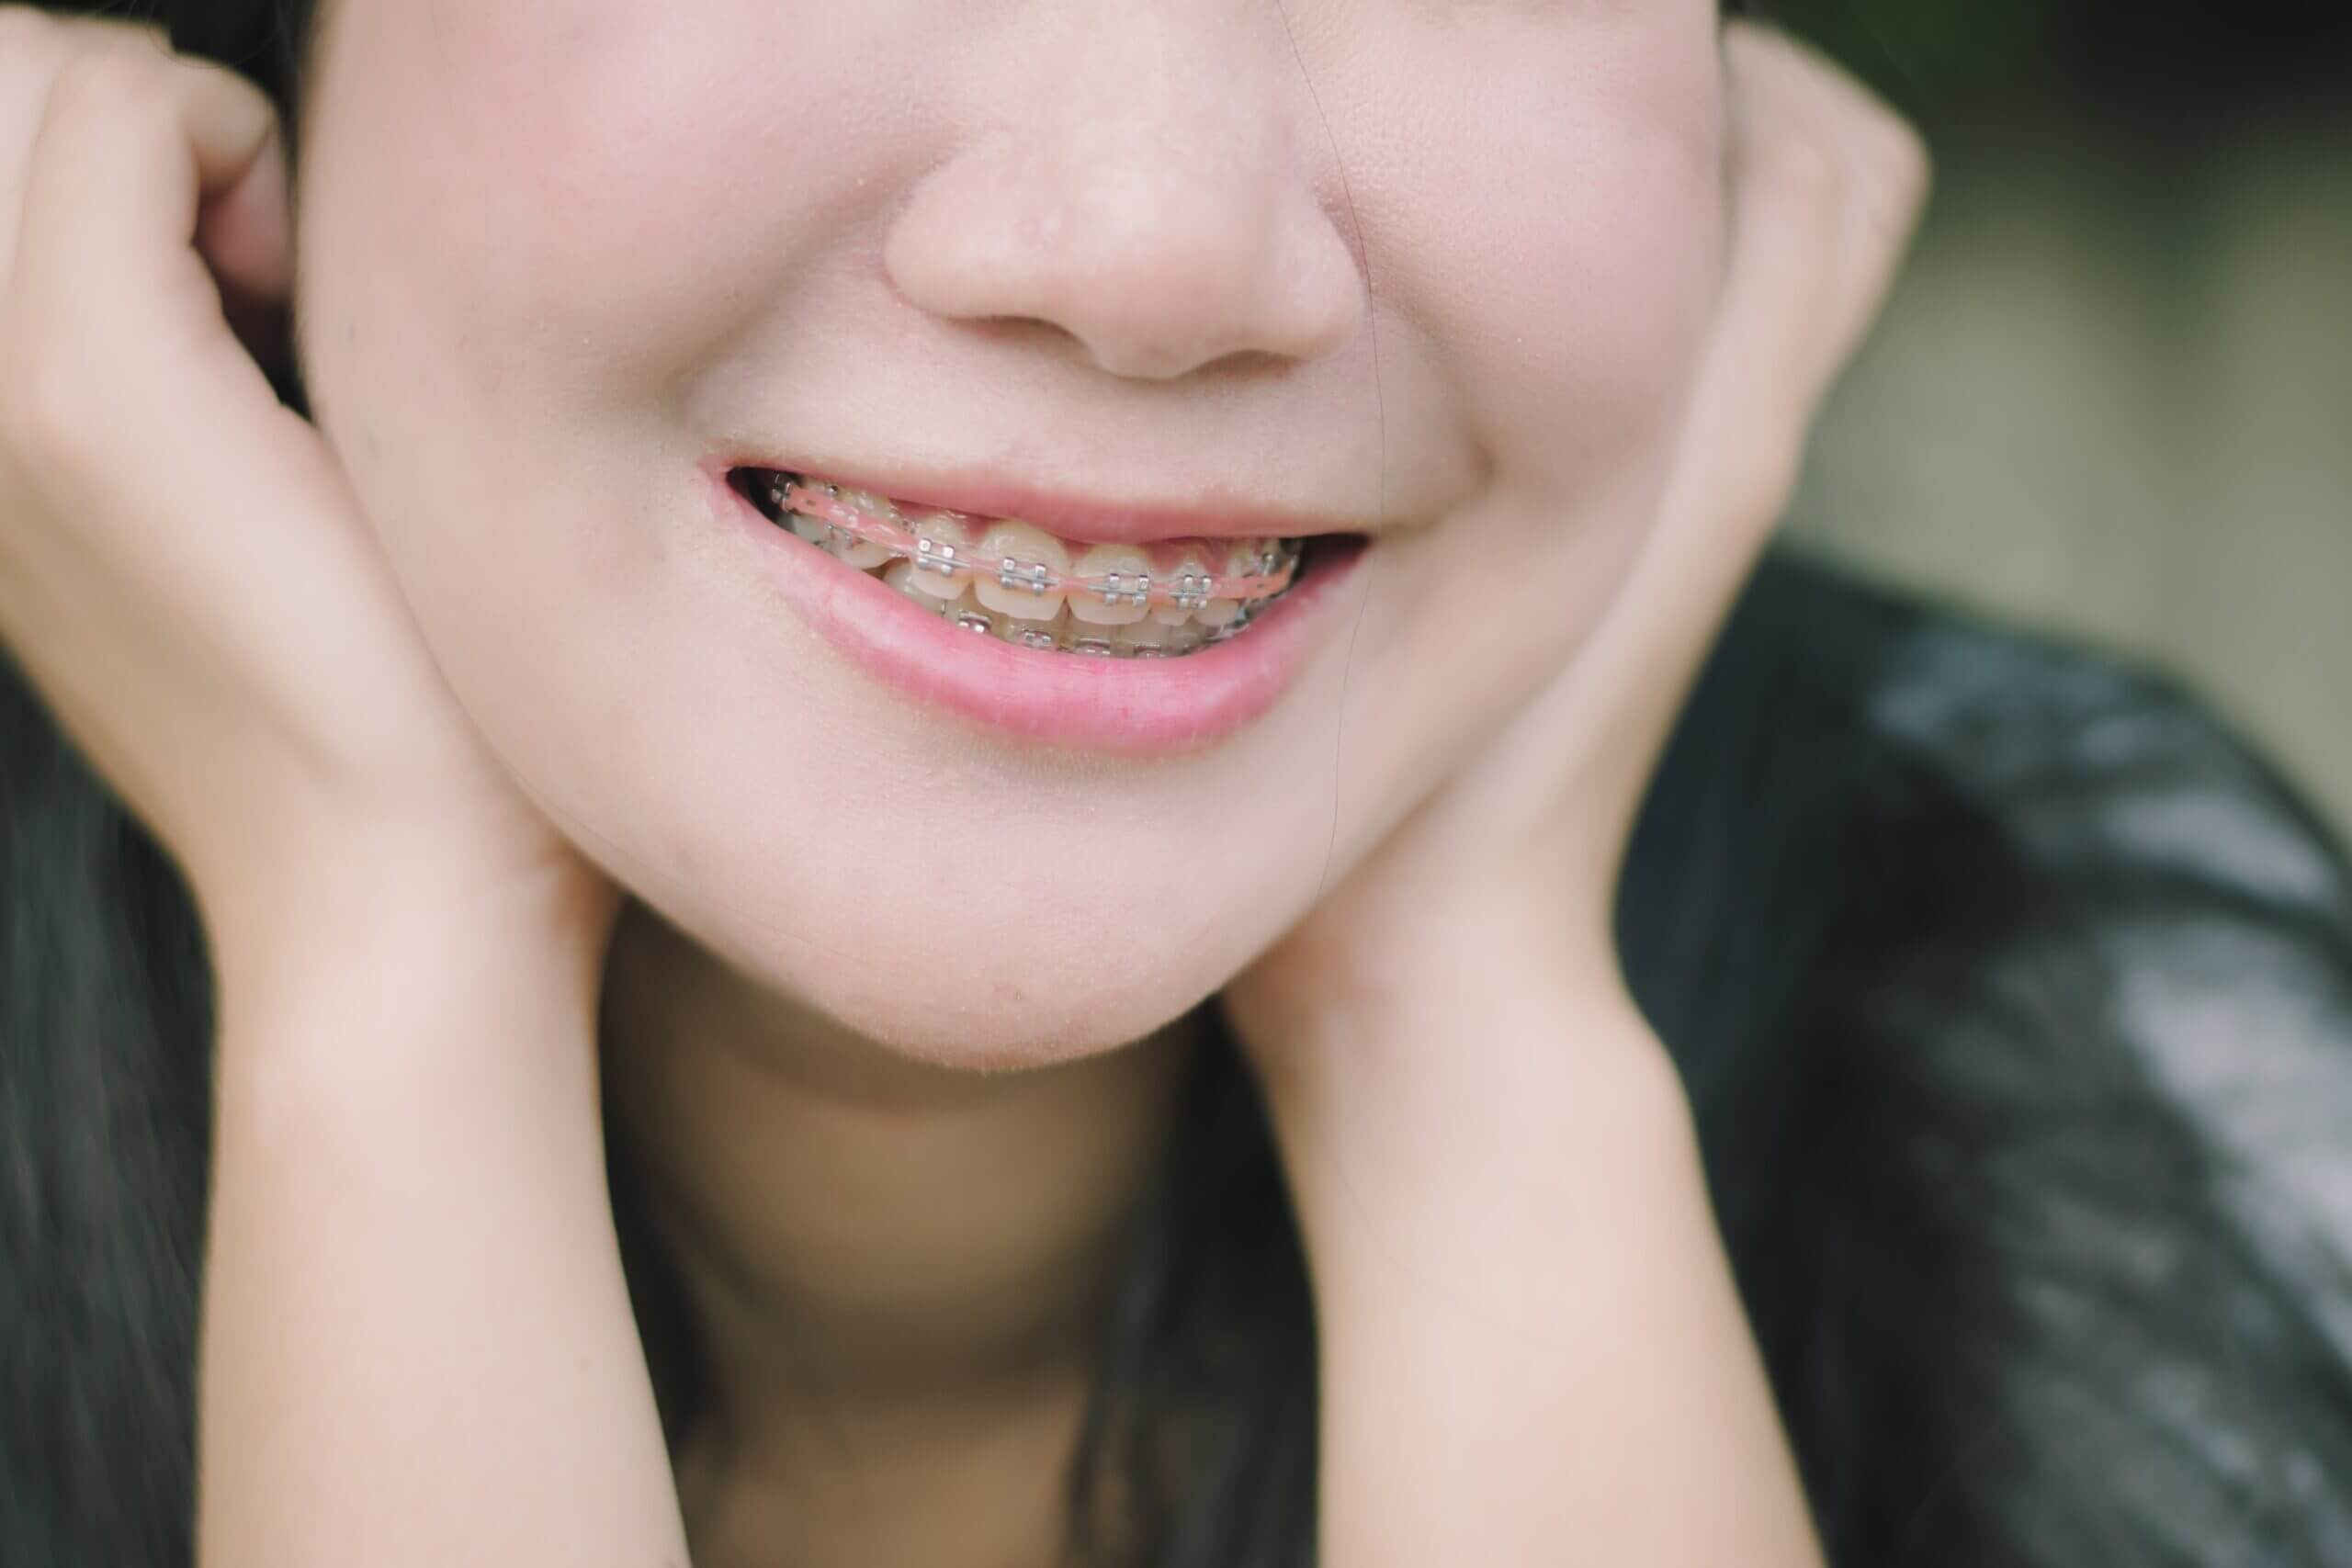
[(1086, 519)]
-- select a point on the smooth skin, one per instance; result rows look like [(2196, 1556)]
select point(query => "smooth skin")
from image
[(1533, 1350)]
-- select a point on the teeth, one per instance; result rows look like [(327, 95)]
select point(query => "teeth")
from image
[(1193, 569), (1144, 632), (996, 586), (863, 553), (839, 543), (900, 575), (1131, 568), (1001, 588), (1218, 612), (946, 542), (1048, 635), (1138, 639)]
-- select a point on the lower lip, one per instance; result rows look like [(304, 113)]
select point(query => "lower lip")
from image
[(1148, 705)]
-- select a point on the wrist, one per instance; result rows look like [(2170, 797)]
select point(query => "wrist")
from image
[(378, 924), (1474, 997), (395, 1035), (1498, 1144), (1511, 1234)]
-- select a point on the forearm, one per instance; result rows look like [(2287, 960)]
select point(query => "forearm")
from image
[(417, 1346), (1532, 1350)]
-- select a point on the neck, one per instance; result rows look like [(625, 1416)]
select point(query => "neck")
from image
[(857, 1234)]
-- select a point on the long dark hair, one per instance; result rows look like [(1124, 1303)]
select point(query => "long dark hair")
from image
[(2019, 1303)]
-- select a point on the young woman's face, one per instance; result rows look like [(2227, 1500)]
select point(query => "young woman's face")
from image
[(1432, 270)]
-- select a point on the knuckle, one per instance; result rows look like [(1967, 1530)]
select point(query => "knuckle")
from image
[(1889, 192), (1903, 170), (210, 76), (1818, 135), (148, 32), (1793, 167), (1887, 157), (25, 28), (104, 87), (31, 47)]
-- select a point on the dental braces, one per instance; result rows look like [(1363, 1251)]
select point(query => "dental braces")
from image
[(821, 502), (982, 622)]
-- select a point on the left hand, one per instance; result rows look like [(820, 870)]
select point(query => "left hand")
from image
[(1509, 869)]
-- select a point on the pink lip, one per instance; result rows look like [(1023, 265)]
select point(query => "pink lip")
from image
[(1134, 706), (1083, 519)]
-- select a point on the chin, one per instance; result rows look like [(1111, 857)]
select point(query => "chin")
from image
[(1001, 1015), (1006, 984), (951, 1031)]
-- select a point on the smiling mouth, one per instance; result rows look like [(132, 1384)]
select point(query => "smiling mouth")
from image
[(1012, 581)]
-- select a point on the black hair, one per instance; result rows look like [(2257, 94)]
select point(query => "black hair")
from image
[(1894, 903)]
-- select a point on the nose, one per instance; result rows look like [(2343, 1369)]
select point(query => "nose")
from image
[(1147, 196)]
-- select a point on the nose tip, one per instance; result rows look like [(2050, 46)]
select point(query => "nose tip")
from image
[(1154, 266)]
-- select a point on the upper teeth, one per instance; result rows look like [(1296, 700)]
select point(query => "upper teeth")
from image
[(1120, 579), (1017, 570), (1021, 567)]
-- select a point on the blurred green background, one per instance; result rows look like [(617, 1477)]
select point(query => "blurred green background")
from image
[(1960, 58), (2112, 396)]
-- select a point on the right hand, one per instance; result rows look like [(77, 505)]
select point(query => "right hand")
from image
[(185, 574)]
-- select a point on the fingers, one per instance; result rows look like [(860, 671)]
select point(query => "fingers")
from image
[(132, 146), (34, 46), (1829, 169), (243, 231), (245, 236), (1827, 186), (156, 137)]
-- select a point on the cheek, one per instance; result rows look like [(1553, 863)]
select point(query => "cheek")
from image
[(1574, 252), (494, 293), (607, 194), (1566, 249), (1555, 258), (601, 193), (1591, 304), (526, 224)]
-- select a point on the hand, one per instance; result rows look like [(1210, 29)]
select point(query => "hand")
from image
[(183, 573), (1508, 871), (1521, 1301)]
